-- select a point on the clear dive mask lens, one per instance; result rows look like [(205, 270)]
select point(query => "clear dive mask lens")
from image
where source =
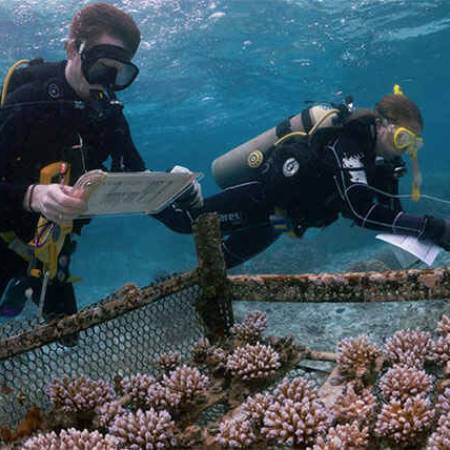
[(109, 66)]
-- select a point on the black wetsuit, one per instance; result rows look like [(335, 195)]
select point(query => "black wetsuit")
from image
[(44, 121), (311, 185)]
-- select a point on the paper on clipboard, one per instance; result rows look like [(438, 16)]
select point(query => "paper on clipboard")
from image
[(132, 192), (424, 250)]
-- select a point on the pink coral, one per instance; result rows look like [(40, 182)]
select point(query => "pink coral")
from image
[(251, 329), (253, 362), (441, 350), (217, 358), (149, 430), (356, 357), (72, 439), (255, 407), (161, 397), (409, 348), (443, 327), (344, 437), (169, 361), (79, 394), (443, 402), (200, 350), (136, 387), (352, 406), (187, 381), (402, 422), (295, 423), (295, 389), (236, 433), (107, 412), (440, 439), (296, 416), (402, 382)]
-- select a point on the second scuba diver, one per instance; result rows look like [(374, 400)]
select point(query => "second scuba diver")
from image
[(316, 166)]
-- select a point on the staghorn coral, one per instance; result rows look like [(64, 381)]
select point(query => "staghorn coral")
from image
[(295, 423), (443, 327), (403, 422), (409, 348), (253, 362), (169, 361), (440, 439), (144, 429), (251, 329), (73, 395), (187, 381), (161, 397), (352, 406), (136, 387), (344, 437), (441, 350), (356, 357), (402, 382), (106, 412), (72, 439), (236, 433), (443, 402), (255, 407)]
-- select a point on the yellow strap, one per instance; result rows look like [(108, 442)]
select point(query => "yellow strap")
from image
[(8, 77), (311, 131)]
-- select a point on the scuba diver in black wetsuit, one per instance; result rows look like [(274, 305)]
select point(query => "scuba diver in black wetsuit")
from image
[(314, 167), (57, 121)]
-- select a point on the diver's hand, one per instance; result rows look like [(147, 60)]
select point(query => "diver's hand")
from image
[(58, 203), (444, 240), (193, 197), (438, 230)]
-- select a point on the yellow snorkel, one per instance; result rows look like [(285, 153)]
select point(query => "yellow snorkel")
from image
[(407, 140)]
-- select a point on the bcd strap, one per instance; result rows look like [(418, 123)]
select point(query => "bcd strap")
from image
[(306, 120), (284, 128)]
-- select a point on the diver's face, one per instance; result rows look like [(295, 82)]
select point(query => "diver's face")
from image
[(385, 142), (76, 78)]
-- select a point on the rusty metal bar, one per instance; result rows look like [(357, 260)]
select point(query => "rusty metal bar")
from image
[(215, 305), (408, 285), (124, 300)]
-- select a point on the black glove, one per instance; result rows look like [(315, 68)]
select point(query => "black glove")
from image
[(438, 230)]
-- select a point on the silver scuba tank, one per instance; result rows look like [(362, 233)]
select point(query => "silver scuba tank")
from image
[(241, 164)]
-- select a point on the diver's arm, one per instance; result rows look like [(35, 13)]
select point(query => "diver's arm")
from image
[(12, 193), (360, 205)]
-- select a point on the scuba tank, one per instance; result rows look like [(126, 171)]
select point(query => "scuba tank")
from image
[(241, 164)]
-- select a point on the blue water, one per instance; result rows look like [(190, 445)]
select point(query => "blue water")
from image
[(216, 73)]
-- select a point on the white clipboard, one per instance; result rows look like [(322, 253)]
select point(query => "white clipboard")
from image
[(132, 192)]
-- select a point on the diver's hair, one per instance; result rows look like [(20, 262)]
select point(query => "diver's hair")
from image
[(97, 19), (400, 110)]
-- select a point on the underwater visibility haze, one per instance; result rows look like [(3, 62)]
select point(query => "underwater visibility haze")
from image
[(215, 73)]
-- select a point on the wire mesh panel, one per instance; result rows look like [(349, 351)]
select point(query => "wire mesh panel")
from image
[(122, 346)]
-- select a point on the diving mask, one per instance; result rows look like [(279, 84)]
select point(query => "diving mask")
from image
[(108, 65), (406, 140)]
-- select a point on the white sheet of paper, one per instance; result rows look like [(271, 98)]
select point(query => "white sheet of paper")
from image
[(132, 192), (425, 250)]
